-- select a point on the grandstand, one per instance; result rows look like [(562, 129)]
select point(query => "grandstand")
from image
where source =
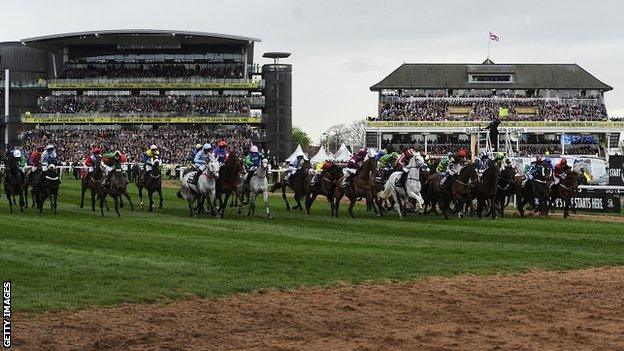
[(149, 84), (439, 108)]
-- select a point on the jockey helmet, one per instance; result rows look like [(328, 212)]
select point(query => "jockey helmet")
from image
[(299, 156), (222, 143), (50, 147), (153, 147), (96, 150), (563, 162), (17, 153), (198, 146), (40, 148), (207, 146), (254, 148), (538, 158), (408, 152), (547, 153), (462, 153), (483, 154), (362, 152)]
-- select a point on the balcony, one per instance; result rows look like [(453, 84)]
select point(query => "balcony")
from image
[(156, 83)]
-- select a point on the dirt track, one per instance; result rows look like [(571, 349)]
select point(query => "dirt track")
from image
[(539, 310)]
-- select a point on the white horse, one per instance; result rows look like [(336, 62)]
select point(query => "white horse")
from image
[(411, 189), (205, 189), (258, 184)]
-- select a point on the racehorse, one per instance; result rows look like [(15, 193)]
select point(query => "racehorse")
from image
[(205, 188), (508, 185), (118, 186), (459, 190), (92, 182), (229, 180), (49, 188), (537, 189), (487, 188), (360, 186), (32, 180), (258, 184), (153, 184), (411, 189), (297, 182), (13, 184), (564, 190), (325, 185)]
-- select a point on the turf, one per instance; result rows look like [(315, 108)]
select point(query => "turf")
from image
[(77, 258)]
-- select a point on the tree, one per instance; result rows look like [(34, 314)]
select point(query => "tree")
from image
[(300, 137), (353, 135)]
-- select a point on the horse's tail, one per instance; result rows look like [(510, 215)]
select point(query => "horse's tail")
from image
[(387, 191), (179, 195)]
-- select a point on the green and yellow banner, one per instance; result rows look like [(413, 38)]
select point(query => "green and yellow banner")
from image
[(77, 119), (150, 85), (527, 124)]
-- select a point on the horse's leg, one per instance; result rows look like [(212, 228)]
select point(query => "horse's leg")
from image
[(150, 193), (227, 197), (102, 202), (160, 198), (129, 200), (480, 204), (265, 197), (566, 210), (141, 196), (351, 205), (55, 200), (190, 205), (92, 199), (9, 197), (397, 205), (116, 201), (298, 200), (284, 197), (310, 201)]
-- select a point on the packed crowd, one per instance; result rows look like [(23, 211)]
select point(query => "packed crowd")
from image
[(486, 109), (218, 70), (197, 105), (175, 143)]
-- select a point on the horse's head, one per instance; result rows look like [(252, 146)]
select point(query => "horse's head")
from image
[(156, 166), (213, 168), (469, 173), (265, 163)]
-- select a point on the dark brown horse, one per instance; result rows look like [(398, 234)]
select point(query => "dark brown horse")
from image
[(153, 184), (564, 190), (536, 191), (116, 188), (91, 181), (297, 182), (325, 185), (508, 186), (458, 192), (359, 186), (13, 184), (49, 188), (229, 180), (486, 190)]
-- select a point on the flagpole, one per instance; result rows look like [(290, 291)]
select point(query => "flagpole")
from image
[(489, 44)]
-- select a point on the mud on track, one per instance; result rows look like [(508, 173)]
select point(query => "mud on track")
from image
[(539, 310)]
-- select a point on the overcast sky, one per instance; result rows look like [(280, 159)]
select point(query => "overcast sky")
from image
[(341, 48)]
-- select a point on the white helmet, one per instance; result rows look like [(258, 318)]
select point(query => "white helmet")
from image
[(153, 147), (207, 146), (17, 153), (483, 154), (254, 148), (50, 147)]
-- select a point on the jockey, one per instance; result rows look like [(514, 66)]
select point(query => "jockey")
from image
[(483, 162), (48, 157), (293, 167), (252, 162), (149, 157), (548, 161), (200, 160), (454, 165), (195, 150), (532, 169), (559, 171), (381, 153), (221, 153), (352, 166), (321, 168), (386, 164), (34, 161), (18, 159), (91, 160), (110, 161)]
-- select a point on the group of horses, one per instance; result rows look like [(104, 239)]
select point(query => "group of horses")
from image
[(43, 186), (486, 194), (422, 191)]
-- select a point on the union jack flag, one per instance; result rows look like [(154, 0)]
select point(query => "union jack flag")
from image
[(494, 37)]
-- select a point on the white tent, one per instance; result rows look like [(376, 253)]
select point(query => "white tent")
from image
[(298, 151), (343, 154), (321, 156)]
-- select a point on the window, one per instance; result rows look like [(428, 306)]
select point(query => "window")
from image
[(488, 78)]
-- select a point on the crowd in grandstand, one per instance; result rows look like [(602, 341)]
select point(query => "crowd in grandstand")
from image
[(175, 143), (198, 105), (219, 70), (486, 109)]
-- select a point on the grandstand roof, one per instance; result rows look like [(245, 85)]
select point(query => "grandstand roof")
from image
[(57, 41), (455, 76)]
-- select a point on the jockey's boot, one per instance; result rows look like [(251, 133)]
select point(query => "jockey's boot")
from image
[(287, 179), (248, 178), (346, 182), (447, 182), (314, 179), (107, 180)]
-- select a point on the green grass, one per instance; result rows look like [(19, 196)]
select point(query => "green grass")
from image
[(77, 258)]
